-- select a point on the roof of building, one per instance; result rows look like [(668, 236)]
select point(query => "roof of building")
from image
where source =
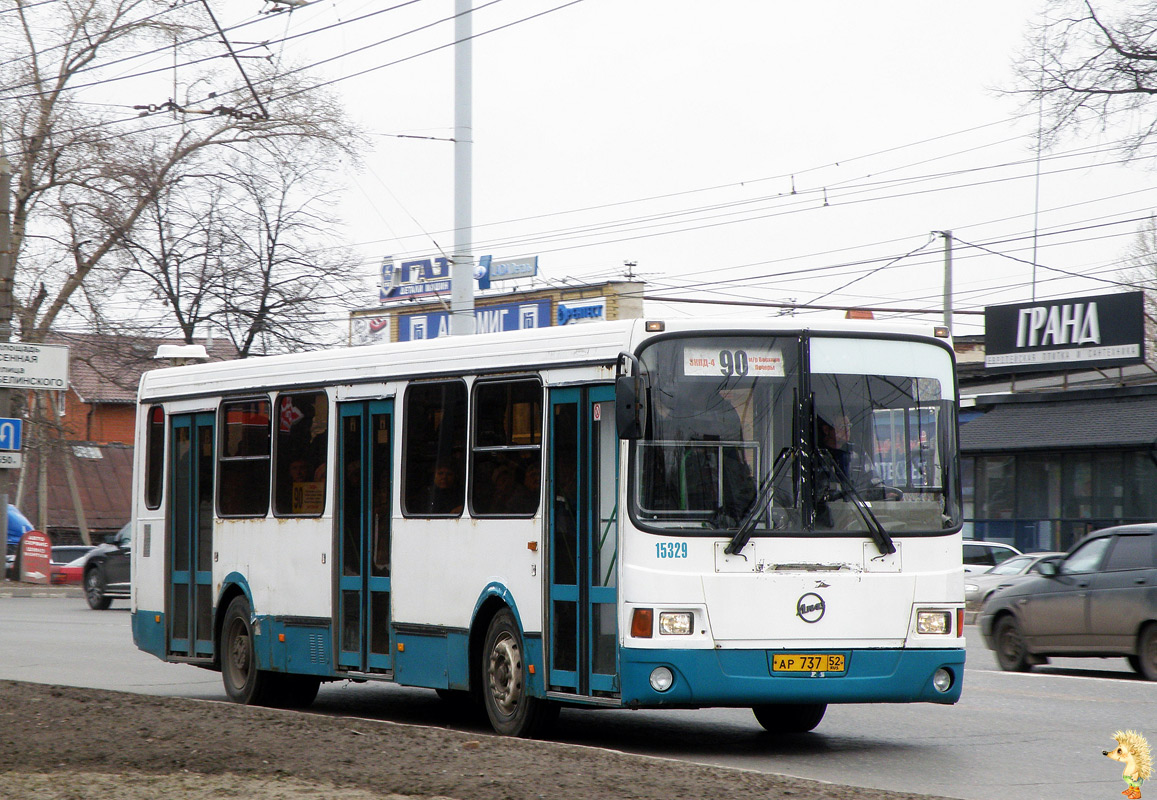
[(103, 476), (1120, 421), (106, 368)]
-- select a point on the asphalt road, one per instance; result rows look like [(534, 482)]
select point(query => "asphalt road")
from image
[(1011, 736)]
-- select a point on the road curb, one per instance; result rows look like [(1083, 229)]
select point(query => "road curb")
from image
[(10, 589)]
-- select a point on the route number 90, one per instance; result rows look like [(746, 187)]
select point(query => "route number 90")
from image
[(733, 362)]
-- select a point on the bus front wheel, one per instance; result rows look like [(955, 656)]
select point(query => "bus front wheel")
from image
[(790, 717), (244, 683), (512, 711)]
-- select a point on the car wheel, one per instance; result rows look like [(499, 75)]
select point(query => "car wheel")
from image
[(789, 717), (1011, 653), (94, 590), (244, 683), (511, 710), (1145, 662)]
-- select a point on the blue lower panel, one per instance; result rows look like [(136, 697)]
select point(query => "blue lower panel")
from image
[(743, 678), (149, 632), (422, 661), (302, 649)]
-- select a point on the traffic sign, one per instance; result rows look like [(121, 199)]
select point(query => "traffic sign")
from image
[(10, 433), (11, 460)]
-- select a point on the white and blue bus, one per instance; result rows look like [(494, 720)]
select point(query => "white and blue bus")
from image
[(638, 514)]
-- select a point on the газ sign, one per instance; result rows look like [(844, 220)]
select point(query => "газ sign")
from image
[(1097, 331)]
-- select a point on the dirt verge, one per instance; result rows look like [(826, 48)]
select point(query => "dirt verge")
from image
[(62, 743)]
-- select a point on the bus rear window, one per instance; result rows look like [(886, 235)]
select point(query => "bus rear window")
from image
[(154, 457), (244, 460)]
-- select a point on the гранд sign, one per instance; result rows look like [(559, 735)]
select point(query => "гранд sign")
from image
[(1094, 331)]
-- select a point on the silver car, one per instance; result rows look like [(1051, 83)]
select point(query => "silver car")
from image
[(1098, 600), (979, 586)]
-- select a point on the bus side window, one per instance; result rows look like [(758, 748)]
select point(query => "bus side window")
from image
[(506, 457), (154, 457), (434, 454), (244, 459), (299, 472)]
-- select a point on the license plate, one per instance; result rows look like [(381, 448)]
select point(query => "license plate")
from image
[(808, 662)]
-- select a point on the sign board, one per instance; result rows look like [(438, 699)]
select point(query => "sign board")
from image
[(1094, 331), (416, 277), (575, 311), (10, 433), (487, 319), (33, 366), (11, 459), (35, 557)]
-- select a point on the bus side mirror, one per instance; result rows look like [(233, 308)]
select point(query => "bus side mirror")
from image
[(630, 410), (630, 398)]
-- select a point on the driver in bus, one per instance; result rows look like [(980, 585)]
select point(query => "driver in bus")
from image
[(855, 466)]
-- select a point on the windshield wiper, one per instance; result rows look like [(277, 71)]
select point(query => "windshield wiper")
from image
[(743, 535), (880, 536)]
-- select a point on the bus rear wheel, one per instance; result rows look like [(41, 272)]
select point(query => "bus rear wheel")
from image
[(244, 683), (511, 710), (790, 717)]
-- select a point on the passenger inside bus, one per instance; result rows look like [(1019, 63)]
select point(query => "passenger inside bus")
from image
[(445, 494), (854, 464)]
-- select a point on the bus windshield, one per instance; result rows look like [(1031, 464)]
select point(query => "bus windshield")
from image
[(739, 435)]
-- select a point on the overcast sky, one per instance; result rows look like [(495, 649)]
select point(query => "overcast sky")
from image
[(733, 149)]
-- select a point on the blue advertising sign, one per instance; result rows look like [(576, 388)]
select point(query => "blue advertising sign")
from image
[(575, 311), (488, 319), (10, 433), (415, 277)]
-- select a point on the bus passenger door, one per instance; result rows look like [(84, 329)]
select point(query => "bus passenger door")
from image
[(582, 629), (189, 601), (364, 480)]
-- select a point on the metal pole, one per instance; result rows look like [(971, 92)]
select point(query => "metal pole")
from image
[(947, 278), (462, 267), (6, 267)]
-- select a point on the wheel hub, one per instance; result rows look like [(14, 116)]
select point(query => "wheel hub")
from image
[(506, 674)]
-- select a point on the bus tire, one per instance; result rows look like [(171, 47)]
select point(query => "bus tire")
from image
[(244, 683), (789, 717), (512, 712), (292, 691)]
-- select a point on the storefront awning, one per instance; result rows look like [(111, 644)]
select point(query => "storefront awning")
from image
[(1127, 422)]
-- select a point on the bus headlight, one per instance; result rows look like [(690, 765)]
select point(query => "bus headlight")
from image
[(934, 622), (942, 680), (676, 623), (661, 679)]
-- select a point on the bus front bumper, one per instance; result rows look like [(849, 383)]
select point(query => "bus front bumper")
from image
[(737, 678)]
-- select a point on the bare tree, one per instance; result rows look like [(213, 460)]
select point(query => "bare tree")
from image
[(1086, 65), (88, 178)]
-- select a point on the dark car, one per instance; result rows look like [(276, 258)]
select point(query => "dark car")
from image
[(1100, 599), (106, 570)]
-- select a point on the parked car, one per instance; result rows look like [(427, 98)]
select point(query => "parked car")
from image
[(67, 563), (1100, 599), (979, 586), (106, 570), (980, 556)]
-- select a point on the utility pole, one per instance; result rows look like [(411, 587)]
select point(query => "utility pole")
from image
[(6, 268), (462, 261), (947, 278)]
